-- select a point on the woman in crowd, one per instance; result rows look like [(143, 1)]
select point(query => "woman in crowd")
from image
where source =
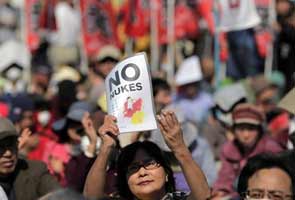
[(143, 172), (249, 140)]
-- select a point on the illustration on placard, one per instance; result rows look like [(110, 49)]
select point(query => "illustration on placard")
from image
[(133, 110)]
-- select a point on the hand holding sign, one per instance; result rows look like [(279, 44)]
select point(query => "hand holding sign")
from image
[(129, 95)]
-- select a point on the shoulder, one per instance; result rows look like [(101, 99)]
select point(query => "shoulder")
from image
[(269, 144), (31, 168)]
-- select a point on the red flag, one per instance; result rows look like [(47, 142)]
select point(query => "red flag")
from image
[(185, 22), (205, 10), (98, 25), (184, 18), (47, 18), (32, 13), (136, 16)]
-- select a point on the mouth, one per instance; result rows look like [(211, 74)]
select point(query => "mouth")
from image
[(8, 164), (143, 183)]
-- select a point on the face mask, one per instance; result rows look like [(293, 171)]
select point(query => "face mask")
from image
[(13, 74), (43, 117)]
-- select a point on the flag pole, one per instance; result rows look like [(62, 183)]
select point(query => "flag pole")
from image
[(154, 37), (216, 44), (270, 54), (170, 36)]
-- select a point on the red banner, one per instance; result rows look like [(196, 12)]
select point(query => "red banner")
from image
[(32, 14), (184, 18), (47, 18), (98, 25), (136, 16)]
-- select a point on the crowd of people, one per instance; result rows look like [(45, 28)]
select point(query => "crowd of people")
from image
[(234, 140)]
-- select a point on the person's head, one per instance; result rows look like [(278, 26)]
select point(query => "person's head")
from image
[(41, 76), (247, 124), (162, 93), (70, 128), (284, 9), (13, 72), (21, 112), (8, 147), (105, 60), (266, 93), (266, 177), (188, 77), (144, 172)]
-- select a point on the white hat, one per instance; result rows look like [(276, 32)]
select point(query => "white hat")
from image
[(9, 56), (189, 71), (66, 73), (227, 96)]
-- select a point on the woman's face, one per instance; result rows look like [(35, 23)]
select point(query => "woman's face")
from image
[(246, 134), (146, 178)]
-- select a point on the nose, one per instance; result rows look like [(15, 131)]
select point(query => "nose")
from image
[(168, 100), (142, 171), (7, 153), (246, 134)]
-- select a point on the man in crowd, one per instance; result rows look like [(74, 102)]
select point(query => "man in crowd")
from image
[(266, 177), (21, 179)]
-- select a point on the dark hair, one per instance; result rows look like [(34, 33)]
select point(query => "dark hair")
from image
[(126, 157), (259, 162), (159, 84)]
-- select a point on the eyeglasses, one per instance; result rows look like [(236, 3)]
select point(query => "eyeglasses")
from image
[(147, 164), (270, 194)]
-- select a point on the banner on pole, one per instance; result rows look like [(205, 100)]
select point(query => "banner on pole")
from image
[(98, 25), (32, 13), (129, 95)]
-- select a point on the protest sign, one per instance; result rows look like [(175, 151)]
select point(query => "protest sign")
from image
[(129, 95)]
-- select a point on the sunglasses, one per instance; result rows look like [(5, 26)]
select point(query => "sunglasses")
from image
[(8, 144)]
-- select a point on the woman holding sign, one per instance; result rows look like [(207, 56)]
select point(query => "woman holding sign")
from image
[(143, 172)]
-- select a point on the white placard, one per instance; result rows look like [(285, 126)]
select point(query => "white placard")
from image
[(129, 95)]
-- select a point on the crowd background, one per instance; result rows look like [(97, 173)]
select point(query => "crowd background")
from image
[(206, 58)]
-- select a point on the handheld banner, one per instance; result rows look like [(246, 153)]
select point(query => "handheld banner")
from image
[(129, 95)]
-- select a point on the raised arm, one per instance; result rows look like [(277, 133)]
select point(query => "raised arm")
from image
[(95, 181), (172, 133)]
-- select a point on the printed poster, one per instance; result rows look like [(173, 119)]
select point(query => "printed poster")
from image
[(129, 95)]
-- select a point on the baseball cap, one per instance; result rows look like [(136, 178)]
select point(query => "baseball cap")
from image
[(108, 52), (75, 113)]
